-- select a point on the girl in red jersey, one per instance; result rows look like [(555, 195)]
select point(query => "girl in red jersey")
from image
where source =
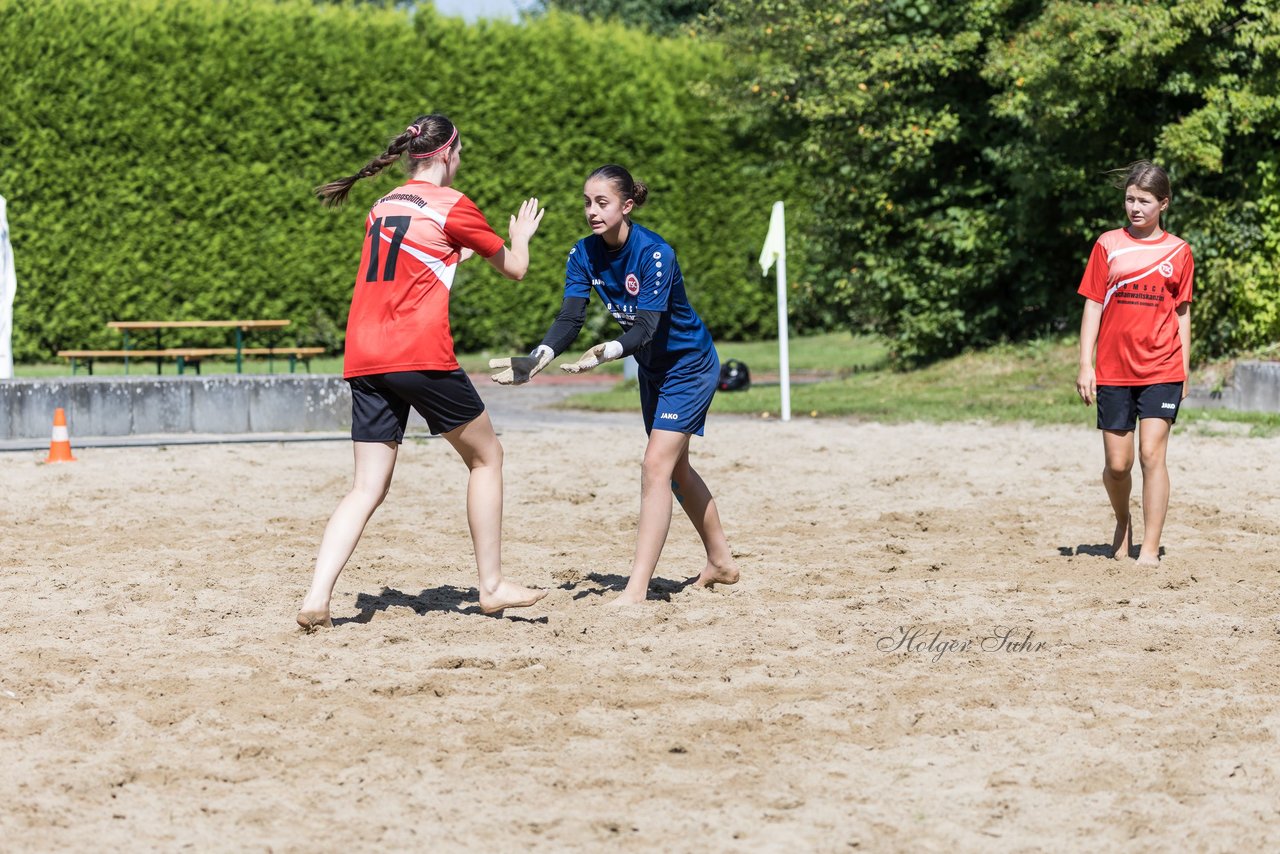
[(1137, 288), (399, 351)]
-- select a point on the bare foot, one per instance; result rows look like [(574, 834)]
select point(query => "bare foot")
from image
[(713, 575), (1147, 560), (1122, 538), (626, 598), (508, 595), (312, 620)]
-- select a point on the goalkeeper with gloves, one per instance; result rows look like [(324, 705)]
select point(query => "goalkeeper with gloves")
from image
[(635, 273)]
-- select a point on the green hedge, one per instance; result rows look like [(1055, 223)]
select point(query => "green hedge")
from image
[(159, 159)]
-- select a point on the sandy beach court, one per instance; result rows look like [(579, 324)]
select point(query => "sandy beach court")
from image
[(927, 651)]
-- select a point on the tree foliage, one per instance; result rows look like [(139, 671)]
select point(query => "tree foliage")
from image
[(958, 152), (945, 163), (1193, 84), (659, 16), (159, 158), (883, 104)]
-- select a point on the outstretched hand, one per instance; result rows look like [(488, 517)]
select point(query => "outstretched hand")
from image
[(596, 356), (524, 224), (518, 370)]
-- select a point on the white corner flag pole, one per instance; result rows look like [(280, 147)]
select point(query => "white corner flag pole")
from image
[(775, 249), (8, 286)]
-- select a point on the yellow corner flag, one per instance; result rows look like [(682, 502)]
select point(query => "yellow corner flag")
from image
[(775, 242)]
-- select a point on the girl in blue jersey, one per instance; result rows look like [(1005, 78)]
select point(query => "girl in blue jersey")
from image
[(635, 273)]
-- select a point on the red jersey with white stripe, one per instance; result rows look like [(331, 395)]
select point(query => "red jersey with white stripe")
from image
[(1140, 283), (399, 319)]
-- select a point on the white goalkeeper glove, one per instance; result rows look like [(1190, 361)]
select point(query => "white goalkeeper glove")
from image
[(595, 357), (518, 370)]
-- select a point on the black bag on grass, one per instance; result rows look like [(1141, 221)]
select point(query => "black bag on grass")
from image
[(734, 376)]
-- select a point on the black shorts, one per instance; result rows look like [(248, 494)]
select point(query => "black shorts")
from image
[(380, 403), (1120, 406)]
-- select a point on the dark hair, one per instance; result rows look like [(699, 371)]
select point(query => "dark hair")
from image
[(424, 135), (627, 187), (1144, 175)]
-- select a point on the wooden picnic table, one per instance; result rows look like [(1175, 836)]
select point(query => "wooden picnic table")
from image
[(191, 356), (158, 326)]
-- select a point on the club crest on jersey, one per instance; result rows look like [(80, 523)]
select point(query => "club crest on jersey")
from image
[(632, 284), (1166, 269)]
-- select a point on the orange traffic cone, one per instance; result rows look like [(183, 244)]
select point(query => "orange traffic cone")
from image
[(60, 445)]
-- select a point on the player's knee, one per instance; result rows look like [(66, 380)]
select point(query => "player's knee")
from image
[(493, 453), (487, 455), (1151, 458), (655, 469), (371, 494), (1118, 467)]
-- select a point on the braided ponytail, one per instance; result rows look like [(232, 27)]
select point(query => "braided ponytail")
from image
[(426, 135)]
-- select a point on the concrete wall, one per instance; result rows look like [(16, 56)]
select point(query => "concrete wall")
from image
[(1258, 384), (299, 403), (124, 406), (1254, 387)]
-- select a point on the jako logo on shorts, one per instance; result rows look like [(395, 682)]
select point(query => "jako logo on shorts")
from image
[(670, 416), (632, 284)]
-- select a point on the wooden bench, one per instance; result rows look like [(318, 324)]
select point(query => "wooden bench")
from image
[(193, 355)]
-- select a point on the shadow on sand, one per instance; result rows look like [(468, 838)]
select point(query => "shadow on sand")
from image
[(659, 588), (1100, 550), (447, 597)]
